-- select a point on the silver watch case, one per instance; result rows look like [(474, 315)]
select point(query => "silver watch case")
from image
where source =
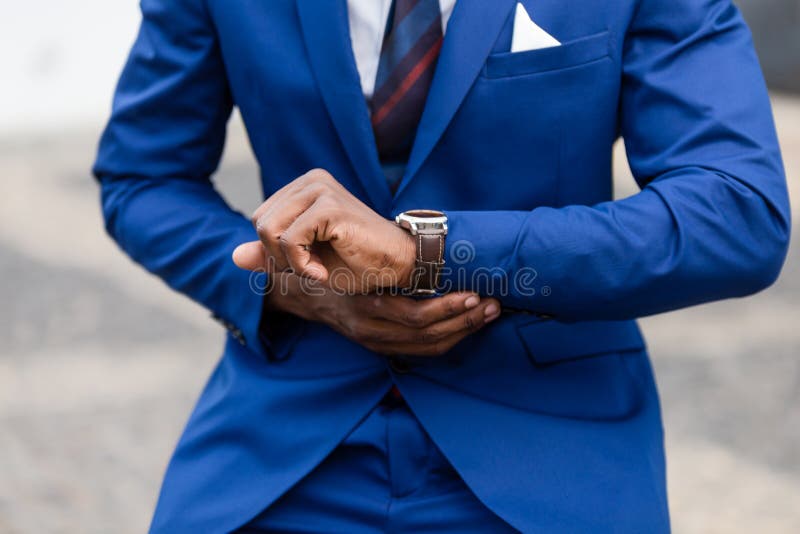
[(425, 222)]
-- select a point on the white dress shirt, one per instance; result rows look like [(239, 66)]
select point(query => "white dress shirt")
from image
[(367, 25)]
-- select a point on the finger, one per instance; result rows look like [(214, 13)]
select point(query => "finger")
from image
[(383, 332), (468, 322), (275, 220), (439, 339), (250, 256), (297, 240), (420, 313), (378, 332), (253, 256), (429, 350), (311, 177), (278, 196)]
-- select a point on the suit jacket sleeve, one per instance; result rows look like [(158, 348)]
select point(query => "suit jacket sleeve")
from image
[(163, 141), (712, 218)]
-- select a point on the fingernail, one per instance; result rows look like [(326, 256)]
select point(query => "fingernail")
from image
[(472, 302), (491, 310)]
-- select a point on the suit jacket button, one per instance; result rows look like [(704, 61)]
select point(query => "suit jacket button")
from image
[(399, 366)]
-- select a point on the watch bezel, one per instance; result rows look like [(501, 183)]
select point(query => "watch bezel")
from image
[(423, 222)]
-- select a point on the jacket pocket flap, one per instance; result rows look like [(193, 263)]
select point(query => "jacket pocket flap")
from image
[(549, 342), (569, 54)]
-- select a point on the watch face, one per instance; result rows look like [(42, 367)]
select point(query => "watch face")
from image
[(425, 214)]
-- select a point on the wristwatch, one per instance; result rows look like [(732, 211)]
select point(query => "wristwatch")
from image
[(430, 228)]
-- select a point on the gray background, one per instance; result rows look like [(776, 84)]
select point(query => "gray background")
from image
[(100, 363), (776, 34)]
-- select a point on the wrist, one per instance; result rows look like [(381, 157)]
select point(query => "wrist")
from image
[(408, 260), (424, 256)]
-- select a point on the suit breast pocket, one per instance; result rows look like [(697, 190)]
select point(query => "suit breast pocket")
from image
[(570, 54)]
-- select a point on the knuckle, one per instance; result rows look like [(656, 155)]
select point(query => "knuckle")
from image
[(285, 241), (262, 233), (266, 232), (470, 322), (319, 174)]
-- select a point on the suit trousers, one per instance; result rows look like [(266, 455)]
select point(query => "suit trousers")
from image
[(386, 476)]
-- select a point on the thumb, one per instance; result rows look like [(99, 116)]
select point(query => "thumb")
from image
[(250, 256)]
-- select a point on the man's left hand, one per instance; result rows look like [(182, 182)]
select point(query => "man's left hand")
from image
[(319, 230)]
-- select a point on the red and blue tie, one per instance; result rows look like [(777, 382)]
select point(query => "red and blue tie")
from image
[(408, 59)]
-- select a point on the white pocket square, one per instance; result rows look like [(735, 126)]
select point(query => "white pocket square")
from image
[(527, 34)]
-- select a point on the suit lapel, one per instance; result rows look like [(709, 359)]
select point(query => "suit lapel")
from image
[(327, 38), (471, 33)]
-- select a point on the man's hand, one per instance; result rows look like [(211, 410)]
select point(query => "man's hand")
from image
[(319, 230), (386, 324)]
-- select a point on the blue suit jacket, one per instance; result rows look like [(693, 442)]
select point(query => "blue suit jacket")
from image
[(554, 424)]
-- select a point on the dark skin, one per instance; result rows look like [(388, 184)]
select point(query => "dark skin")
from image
[(318, 231), (387, 324)]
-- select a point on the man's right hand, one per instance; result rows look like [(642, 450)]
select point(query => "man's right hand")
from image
[(386, 324)]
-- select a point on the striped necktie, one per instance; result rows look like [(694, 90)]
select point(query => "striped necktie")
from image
[(405, 71)]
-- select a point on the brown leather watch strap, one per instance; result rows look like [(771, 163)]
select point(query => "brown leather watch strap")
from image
[(430, 259)]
